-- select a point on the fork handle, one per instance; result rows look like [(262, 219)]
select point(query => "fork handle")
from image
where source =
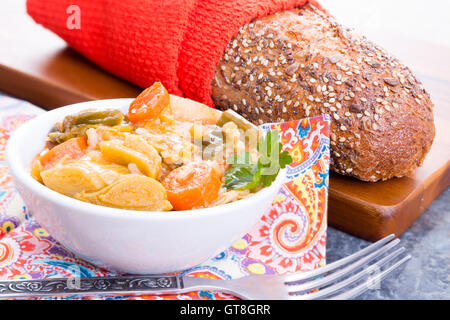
[(153, 285)]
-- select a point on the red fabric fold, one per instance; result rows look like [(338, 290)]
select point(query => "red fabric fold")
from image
[(176, 42)]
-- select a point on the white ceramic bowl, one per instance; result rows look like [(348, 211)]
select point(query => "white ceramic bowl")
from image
[(126, 240)]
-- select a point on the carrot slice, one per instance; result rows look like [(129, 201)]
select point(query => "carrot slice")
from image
[(194, 185), (149, 104), (73, 148)]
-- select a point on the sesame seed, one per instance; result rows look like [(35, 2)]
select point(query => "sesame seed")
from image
[(349, 170), (343, 128), (342, 139), (367, 113), (374, 126), (336, 116)]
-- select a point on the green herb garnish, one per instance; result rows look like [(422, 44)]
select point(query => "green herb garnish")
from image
[(244, 175)]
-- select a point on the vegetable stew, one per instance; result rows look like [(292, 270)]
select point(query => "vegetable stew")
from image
[(155, 158)]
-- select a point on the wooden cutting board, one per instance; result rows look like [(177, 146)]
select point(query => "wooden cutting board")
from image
[(37, 66)]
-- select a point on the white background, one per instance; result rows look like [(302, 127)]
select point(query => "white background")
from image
[(428, 20)]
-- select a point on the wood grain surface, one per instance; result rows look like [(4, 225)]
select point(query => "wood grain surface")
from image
[(37, 66)]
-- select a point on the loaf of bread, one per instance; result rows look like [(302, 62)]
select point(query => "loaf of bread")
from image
[(302, 63)]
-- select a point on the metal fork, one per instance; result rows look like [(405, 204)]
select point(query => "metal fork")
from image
[(343, 279)]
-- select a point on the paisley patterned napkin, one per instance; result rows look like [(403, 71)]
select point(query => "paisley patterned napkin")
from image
[(290, 237)]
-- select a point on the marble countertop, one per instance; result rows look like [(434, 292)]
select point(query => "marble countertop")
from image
[(427, 274)]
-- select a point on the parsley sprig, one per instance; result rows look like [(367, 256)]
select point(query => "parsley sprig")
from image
[(245, 175)]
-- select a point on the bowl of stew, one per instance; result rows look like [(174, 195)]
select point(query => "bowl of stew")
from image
[(154, 184)]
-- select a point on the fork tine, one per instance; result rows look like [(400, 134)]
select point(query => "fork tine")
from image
[(321, 282), (356, 291), (339, 263), (346, 282)]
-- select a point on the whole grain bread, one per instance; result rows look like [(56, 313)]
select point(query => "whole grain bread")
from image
[(301, 63)]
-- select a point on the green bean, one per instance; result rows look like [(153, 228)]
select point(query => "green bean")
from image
[(91, 117)]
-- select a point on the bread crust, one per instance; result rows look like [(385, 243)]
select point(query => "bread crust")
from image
[(301, 63)]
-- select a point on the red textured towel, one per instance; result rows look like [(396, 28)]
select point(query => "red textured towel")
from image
[(177, 42)]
